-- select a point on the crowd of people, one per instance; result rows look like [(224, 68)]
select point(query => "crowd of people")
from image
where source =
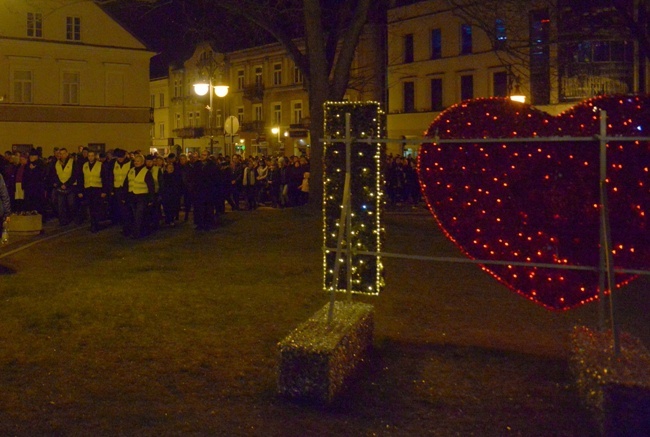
[(402, 181), (140, 192)]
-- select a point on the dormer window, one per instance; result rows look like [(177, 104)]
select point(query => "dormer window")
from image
[(35, 24)]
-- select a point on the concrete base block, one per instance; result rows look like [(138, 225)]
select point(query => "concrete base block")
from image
[(318, 360), (615, 387), (25, 224)]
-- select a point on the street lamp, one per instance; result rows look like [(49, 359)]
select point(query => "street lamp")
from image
[(276, 131), (201, 89), (515, 95)]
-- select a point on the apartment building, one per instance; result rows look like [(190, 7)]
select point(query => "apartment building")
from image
[(160, 128), (554, 54), (266, 109), (70, 76)]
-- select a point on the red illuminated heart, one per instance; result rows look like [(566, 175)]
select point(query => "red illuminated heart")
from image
[(538, 201)]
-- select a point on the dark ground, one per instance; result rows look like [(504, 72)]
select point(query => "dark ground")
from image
[(176, 334)]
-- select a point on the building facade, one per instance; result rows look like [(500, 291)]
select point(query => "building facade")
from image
[(555, 53), (70, 76), (266, 110)]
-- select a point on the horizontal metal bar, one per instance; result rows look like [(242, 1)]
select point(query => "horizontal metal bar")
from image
[(490, 140), (488, 262)]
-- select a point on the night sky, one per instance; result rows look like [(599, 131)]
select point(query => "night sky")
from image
[(173, 29)]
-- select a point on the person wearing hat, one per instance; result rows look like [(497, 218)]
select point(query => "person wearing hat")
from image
[(118, 170), (95, 186)]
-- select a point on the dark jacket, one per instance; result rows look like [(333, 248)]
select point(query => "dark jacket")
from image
[(5, 203)]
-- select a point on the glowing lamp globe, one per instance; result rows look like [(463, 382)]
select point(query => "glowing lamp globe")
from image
[(201, 89), (221, 90)]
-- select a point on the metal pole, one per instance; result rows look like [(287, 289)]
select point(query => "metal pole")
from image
[(339, 248), (210, 119), (606, 238), (348, 189)]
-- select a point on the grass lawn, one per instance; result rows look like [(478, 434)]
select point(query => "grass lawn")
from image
[(177, 333)]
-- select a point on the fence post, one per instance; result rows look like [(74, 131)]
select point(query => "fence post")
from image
[(605, 236)]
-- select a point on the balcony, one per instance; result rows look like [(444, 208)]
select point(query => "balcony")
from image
[(304, 124), (213, 131), (253, 126), (585, 86), (190, 132), (254, 92)]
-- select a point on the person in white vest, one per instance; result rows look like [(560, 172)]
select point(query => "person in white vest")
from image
[(140, 185), (95, 188), (118, 171), (64, 179)]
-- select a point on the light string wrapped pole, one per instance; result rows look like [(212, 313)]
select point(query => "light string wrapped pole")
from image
[(352, 198), (345, 228)]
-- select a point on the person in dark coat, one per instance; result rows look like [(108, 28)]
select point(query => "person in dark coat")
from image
[(185, 168), (273, 181), (5, 203), (34, 184), (295, 174), (204, 195), (171, 191)]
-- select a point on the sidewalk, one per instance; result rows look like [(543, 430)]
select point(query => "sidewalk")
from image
[(18, 240)]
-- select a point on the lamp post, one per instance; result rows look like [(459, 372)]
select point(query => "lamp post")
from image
[(276, 131), (208, 65), (516, 94)]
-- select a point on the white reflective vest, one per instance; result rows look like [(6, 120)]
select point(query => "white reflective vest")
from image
[(120, 173), (137, 183), (64, 173), (92, 177)]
